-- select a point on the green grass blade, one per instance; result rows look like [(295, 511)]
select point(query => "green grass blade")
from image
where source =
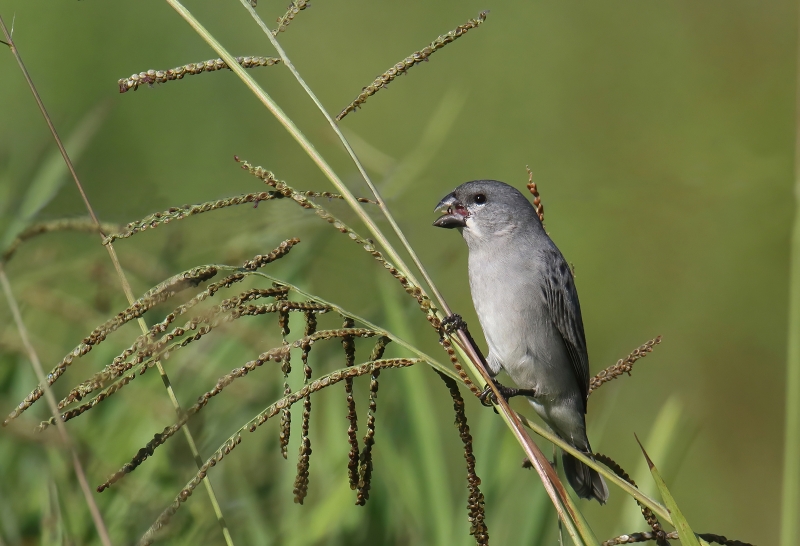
[(423, 422), (53, 172), (790, 503), (685, 533), (661, 442)]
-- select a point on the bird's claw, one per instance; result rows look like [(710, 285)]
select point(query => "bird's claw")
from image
[(451, 323), (488, 398)]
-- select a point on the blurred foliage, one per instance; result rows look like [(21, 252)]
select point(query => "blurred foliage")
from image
[(661, 139)]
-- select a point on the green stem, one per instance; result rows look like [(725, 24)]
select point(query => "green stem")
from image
[(790, 504)]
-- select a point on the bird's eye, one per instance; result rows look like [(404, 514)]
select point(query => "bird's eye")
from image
[(480, 199)]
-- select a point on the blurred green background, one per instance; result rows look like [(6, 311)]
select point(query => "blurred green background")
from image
[(661, 138)]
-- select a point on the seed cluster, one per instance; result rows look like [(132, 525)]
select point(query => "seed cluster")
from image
[(157, 295), (291, 12), (316, 385), (301, 481), (179, 213), (623, 365), (352, 418), (537, 201), (365, 469), (475, 502), (648, 514), (415, 58), (152, 77)]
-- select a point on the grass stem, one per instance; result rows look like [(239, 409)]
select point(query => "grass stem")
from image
[(790, 502)]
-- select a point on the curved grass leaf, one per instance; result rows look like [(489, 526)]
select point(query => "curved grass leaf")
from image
[(685, 533)]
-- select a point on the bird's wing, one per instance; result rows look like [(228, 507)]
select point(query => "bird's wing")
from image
[(565, 312)]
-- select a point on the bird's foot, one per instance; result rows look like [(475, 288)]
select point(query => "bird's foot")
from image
[(488, 399), (451, 323), (526, 463)]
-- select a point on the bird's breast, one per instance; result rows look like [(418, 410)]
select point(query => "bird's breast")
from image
[(522, 338)]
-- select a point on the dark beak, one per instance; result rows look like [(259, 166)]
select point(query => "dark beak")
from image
[(452, 217)]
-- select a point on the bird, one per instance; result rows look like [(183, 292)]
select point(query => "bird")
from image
[(527, 304)]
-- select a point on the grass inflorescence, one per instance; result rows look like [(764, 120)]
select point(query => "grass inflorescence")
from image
[(623, 365), (415, 58), (475, 501), (152, 77), (291, 12), (262, 417)]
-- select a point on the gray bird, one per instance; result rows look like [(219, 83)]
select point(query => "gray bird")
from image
[(527, 304)]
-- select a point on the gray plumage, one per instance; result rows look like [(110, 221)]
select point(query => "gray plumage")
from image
[(527, 304)]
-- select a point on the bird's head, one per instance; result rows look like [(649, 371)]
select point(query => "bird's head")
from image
[(486, 209)]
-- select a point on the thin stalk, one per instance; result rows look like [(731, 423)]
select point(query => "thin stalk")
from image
[(790, 503), (97, 518), (120, 273)]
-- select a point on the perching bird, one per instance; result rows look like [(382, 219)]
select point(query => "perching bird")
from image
[(527, 304)]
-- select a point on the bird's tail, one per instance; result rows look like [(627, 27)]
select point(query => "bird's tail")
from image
[(587, 483)]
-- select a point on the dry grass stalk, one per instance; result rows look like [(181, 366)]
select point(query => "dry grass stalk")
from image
[(179, 213), (152, 77), (147, 351), (349, 346), (264, 259), (275, 408), (365, 470), (276, 355), (301, 481), (286, 367), (475, 502), (147, 342), (623, 365), (148, 358), (291, 12), (415, 58)]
